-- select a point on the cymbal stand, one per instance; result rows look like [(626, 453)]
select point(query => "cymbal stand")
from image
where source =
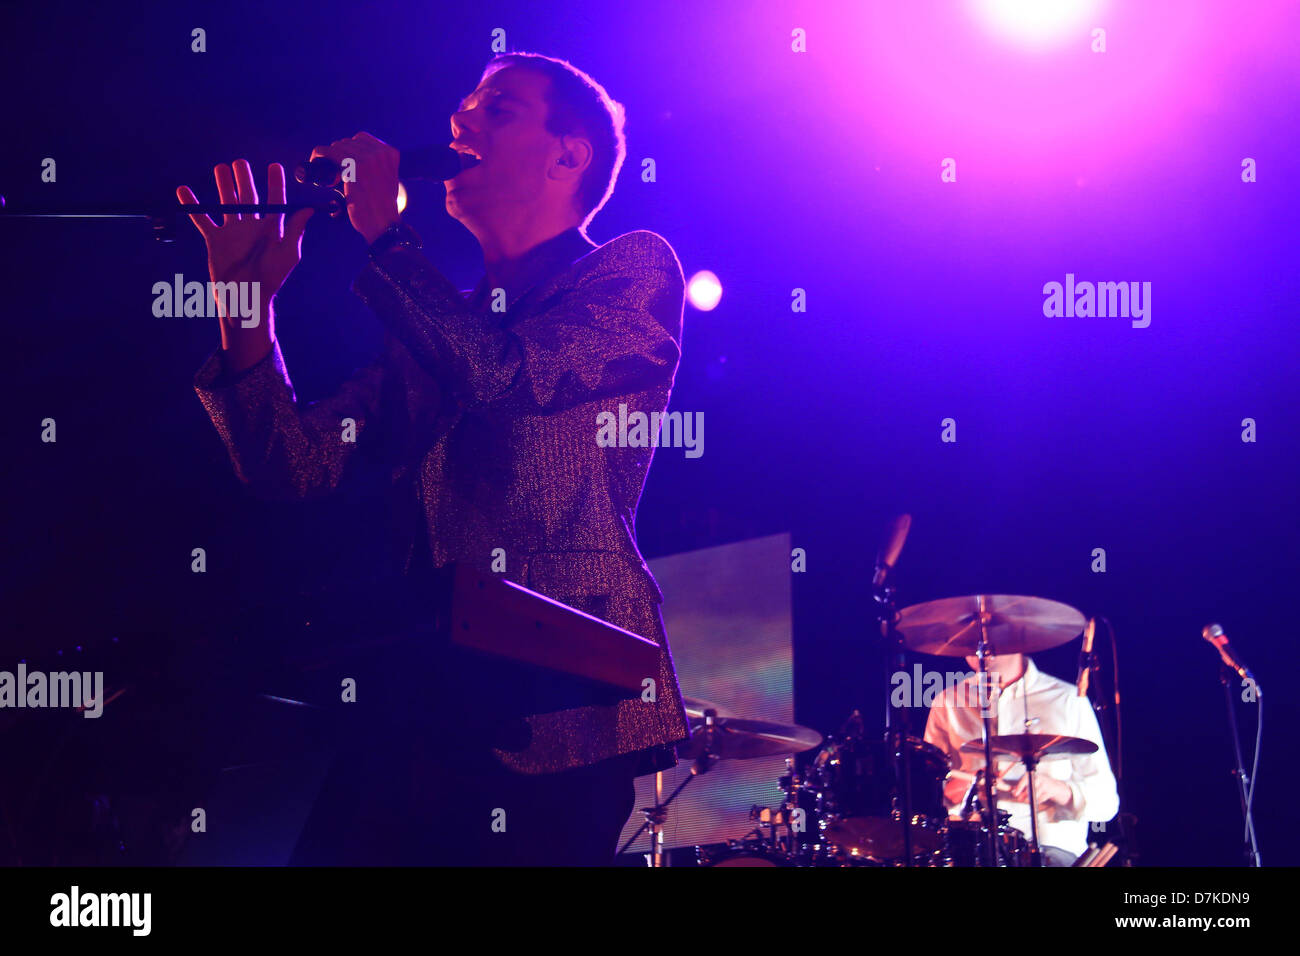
[(658, 813), (989, 729), (896, 728)]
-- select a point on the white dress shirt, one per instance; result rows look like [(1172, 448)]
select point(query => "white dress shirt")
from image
[(1050, 706)]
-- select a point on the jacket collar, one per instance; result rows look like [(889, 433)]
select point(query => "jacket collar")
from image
[(544, 261), (1028, 681)]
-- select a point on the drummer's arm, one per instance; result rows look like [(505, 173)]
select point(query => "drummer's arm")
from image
[(938, 734), (1094, 795), (1089, 793)]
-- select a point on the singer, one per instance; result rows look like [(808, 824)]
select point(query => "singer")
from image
[(484, 405)]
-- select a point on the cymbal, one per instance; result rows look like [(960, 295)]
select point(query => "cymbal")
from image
[(1037, 746), (695, 708), (1016, 624), (735, 738)]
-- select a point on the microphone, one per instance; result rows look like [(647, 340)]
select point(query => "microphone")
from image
[(1085, 657), (434, 162), (888, 556), (972, 795), (1214, 634)]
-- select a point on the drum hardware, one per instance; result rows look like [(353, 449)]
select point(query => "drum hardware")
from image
[(656, 815), (715, 738), (1013, 624), (964, 841), (984, 626), (897, 728), (1035, 746), (742, 853), (736, 738), (1030, 749), (860, 814), (880, 801)]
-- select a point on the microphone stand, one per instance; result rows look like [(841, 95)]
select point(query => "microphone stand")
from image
[(165, 217), (1244, 788), (897, 732)]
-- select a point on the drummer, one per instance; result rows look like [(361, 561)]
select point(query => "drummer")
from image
[(1071, 790)]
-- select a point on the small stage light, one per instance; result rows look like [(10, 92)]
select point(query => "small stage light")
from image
[(704, 291)]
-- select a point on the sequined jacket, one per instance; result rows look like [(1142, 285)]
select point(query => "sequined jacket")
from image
[(489, 423)]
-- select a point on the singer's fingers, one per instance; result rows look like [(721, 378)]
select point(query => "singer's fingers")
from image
[(317, 153), (297, 223), (226, 190), (247, 189), (275, 192), (202, 221)]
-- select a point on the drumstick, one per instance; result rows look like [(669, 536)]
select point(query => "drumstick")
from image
[(997, 781)]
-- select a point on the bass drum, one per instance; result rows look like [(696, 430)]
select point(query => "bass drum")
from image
[(859, 814), (739, 853)]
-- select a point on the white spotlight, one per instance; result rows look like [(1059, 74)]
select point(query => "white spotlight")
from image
[(1039, 23), (704, 291)]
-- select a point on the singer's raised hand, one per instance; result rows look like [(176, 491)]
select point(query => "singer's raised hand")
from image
[(249, 247), (372, 192)]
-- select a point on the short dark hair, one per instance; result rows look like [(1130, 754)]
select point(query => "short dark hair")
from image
[(577, 104)]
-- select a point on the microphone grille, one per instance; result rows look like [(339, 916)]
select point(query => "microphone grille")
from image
[(1211, 631)]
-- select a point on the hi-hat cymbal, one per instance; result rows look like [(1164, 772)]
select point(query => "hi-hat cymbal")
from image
[(1037, 746), (950, 627), (735, 738)]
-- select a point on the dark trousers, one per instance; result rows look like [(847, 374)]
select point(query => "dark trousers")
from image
[(390, 805), (414, 782)]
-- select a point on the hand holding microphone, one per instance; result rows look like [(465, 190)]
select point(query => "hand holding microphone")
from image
[(369, 168)]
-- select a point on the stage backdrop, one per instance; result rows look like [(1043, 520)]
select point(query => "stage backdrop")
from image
[(727, 611)]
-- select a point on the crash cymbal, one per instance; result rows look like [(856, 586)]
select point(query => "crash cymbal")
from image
[(1037, 746), (950, 627), (738, 739)]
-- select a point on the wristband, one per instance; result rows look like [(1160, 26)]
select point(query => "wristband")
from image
[(398, 234)]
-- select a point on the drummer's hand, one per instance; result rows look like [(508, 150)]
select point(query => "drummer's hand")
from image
[(1047, 789)]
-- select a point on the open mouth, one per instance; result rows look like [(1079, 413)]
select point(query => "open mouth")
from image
[(468, 157)]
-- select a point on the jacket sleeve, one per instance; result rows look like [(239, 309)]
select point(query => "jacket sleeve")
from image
[(614, 331), (281, 449)]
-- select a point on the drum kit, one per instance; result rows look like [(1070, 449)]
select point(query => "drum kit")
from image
[(849, 804)]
